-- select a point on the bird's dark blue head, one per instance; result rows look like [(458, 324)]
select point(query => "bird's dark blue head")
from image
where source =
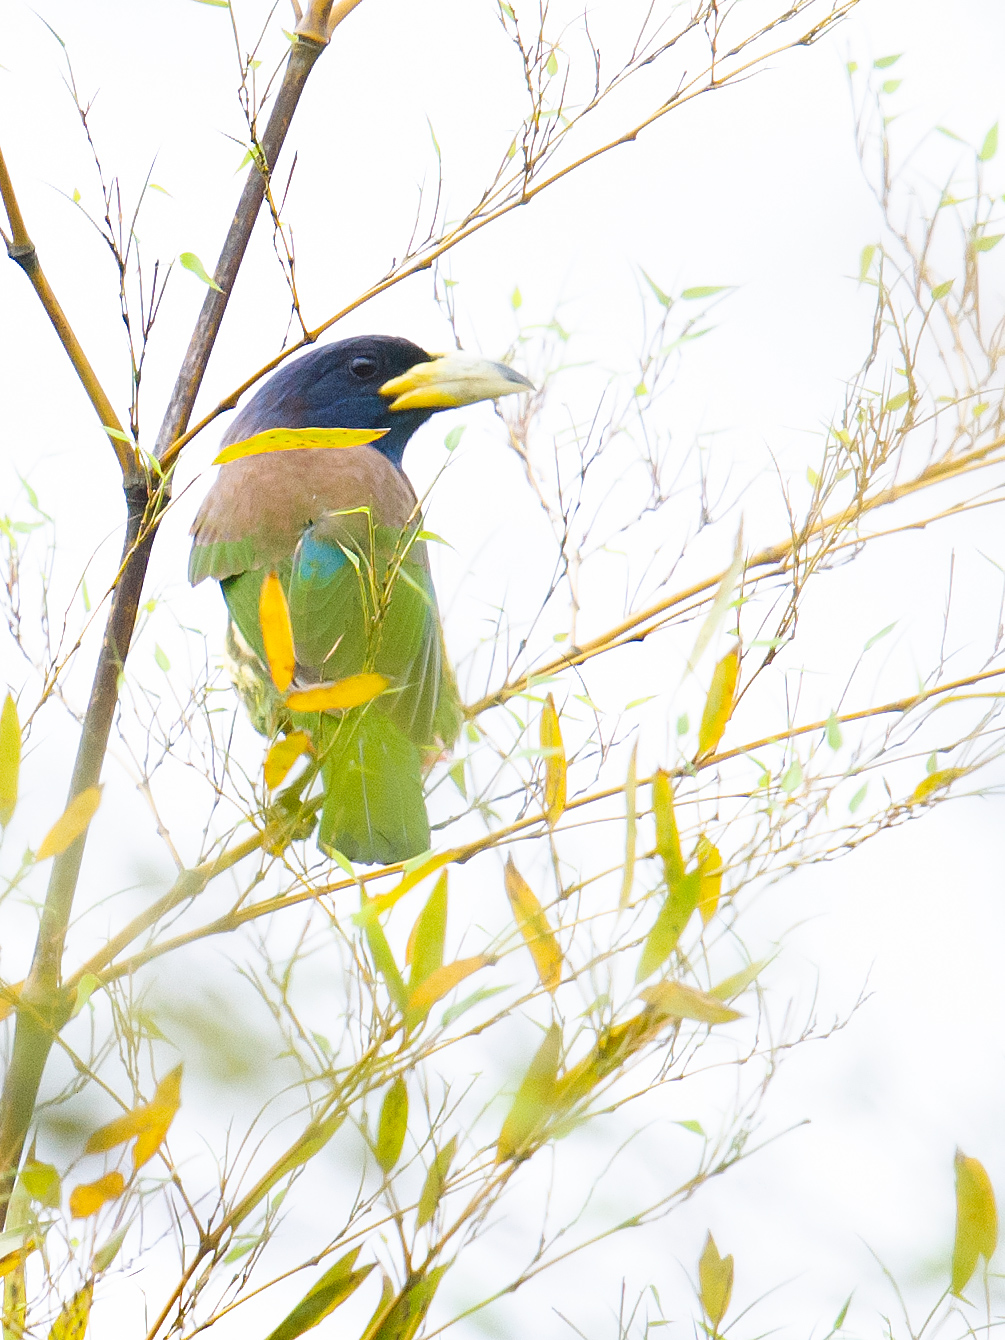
[(377, 382)]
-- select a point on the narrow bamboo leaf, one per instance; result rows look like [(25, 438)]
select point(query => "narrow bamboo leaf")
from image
[(148, 1122), (710, 870), (352, 691), (676, 1000), (191, 262), (383, 959), (337, 1284), (86, 987), (721, 603), (441, 982), (298, 439), (469, 1002), (554, 763), (935, 781), (277, 632), (662, 298), (10, 759), (865, 262), (737, 982), (631, 827), (667, 835), (897, 401), (313, 1140), (715, 1279), (41, 1181), (885, 62), (15, 1246), (88, 1198), (703, 291), (990, 146), (71, 1324), (533, 926), (413, 875), (392, 1125), (719, 703), (282, 756), (534, 1101), (425, 944), (942, 290), (400, 1318), (976, 1220), (681, 901), (71, 823), (833, 729), (436, 1178), (109, 1250)]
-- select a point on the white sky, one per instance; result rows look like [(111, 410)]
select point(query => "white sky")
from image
[(757, 188)]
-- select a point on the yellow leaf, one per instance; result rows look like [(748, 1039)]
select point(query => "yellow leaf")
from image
[(675, 1000), (667, 836), (9, 1002), (15, 1245), (70, 824), (282, 756), (554, 763), (298, 439), (149, 1122), (631, 831), (719, 703), (534, 928), (277, 632), (442, 980), (935, 781), (715, 1279), (88, 1198), (976, 1219), (10, 759), (72, 1321), (352, 691), (710, 869)]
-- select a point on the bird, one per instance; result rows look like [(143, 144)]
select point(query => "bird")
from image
[(342, 530)]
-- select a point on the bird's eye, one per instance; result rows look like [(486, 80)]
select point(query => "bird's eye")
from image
[(363, 368)]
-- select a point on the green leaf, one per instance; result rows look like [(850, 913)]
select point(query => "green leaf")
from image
[(436, 1177), (737, 983), (839, 1320), (881, 634), (392, 1125), (896, 402), (891, 85), (217, 4), (812, 478), (109, 1250), (885, 62), (683, 724), (516, 299), (41, 1181), (383, 959), (865, 262), (942, 290), (682, 899), (677, 1000), (552, 65), (988, 243), (334, 1287), (990, 146), (792, 777), (950, 134), (852, 66), (86, 987), (428, 935), (455, 1011), (703, 291), (833, 729), (192, 262), (695, 1127), (10, 759), (117, 434), (152, 186), (857, 798), (976, 1220), (662, 298), (453, 438), (161, 657), (534, 1099)]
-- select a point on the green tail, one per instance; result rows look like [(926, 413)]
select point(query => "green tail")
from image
[(373, 810)]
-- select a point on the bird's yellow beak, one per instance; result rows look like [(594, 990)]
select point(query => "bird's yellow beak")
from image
[(453, 379)]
